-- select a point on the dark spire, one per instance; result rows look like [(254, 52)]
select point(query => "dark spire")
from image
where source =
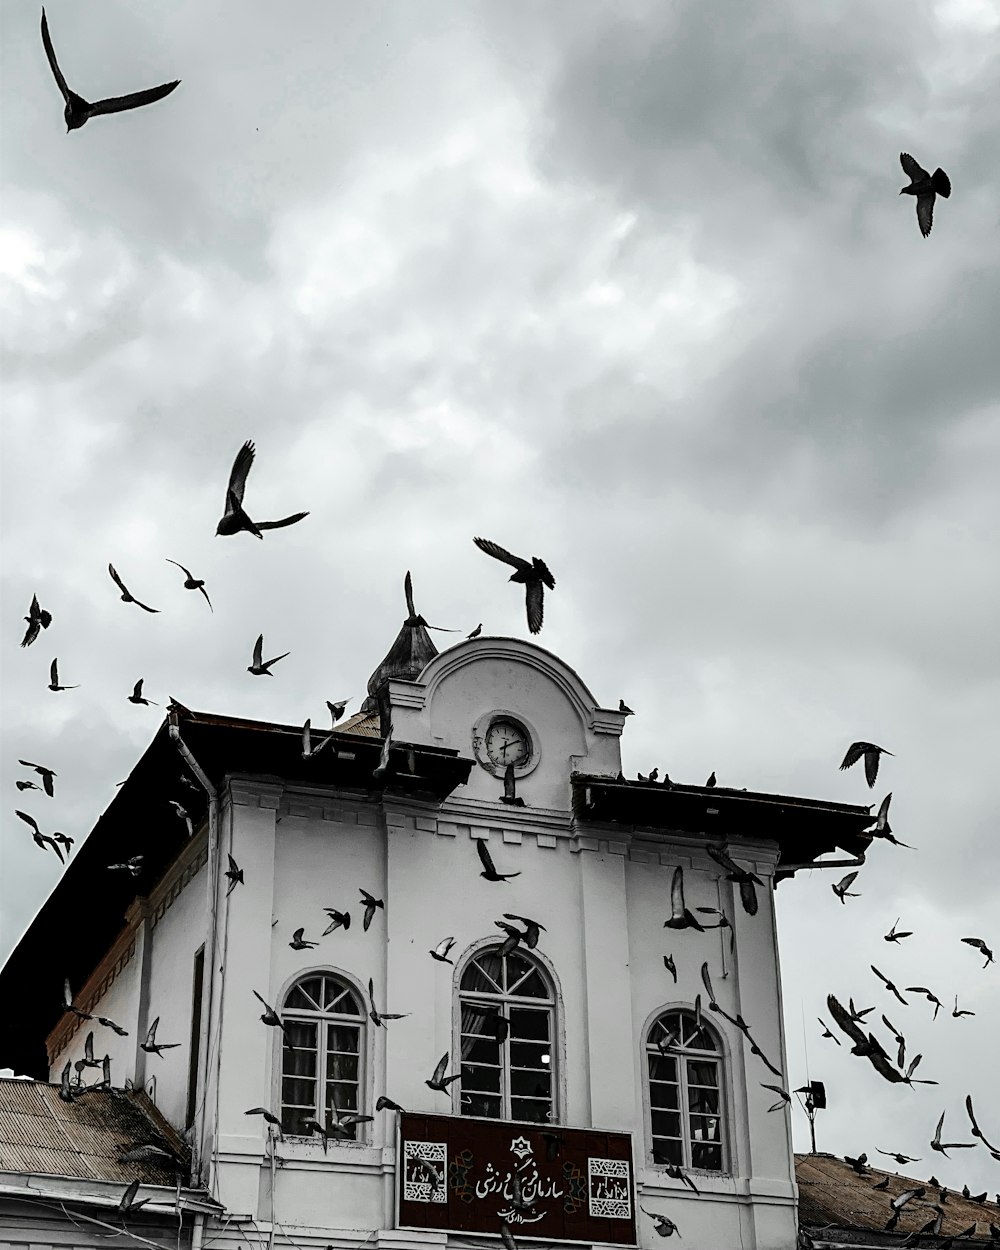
[(406, 659)]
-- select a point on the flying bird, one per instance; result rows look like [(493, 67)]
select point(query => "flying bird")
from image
[(943, 1147), (269, 1016), (234, 518), (671, 967), (889, 985), (127, 1202), (532, 928), (299, 943), (882, 828), (370, 903), (382, 767), (269, 1117), (338, 919), (746, 880), (440, 952), (68, 1003), (842, 887), (375, 1015), (182, 814), (439, 1081), (534, 575), (894, 935), (663, 1224), (46, 775), (261, 667), (964, 1012), (337, 709), (980, 946), (384, 1103), (926, 187), (490, 873), (137, 696), (110, 1024), (151, 1046), (901, 1159), (871, 755), (931, 998), (37, 619), (234, 874), (78, 110), (54, 678), (977, 1131), (127, 596), (27, 785), (509, 795), (680, 917), (308, 750), (826, 1031), (784, 1095), (42, 840), (900, 1040), (190, 581)]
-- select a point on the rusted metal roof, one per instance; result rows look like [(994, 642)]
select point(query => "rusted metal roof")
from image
[(834, 1198), (43, 1135), (364, 724)]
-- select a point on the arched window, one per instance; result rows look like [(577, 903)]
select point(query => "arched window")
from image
[(507, 1007), (684, 1064), (321, 1054)]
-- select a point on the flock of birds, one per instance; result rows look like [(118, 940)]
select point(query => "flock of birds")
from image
[(535, 576)]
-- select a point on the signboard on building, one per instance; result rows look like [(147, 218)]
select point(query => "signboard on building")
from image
[(472, 1176)]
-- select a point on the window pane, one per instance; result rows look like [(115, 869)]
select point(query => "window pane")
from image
[(483, 1079), (666, 1150), (662, 1068), (702, 1073), (529, 1054), (707, 1157), (487, 1105), (528, 1024), (483, 973), (342, 1096), (340, 999), (343, 1037), (480, 1049), (663, 1096), (530, 986), (298, 1054), (705, 1128), (306, 996), (666, 1124), (345, 1068), (529, 1084), (703, 1100), (530, 1109), (298, 1092)]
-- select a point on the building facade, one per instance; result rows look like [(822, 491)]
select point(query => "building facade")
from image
[(585, 1028)]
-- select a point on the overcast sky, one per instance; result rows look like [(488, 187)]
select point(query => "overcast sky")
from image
[(624, 284)]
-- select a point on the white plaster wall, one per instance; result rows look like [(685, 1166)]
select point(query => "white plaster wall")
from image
[(121, 1004)]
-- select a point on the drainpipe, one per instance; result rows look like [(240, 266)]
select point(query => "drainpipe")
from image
[(210, 953), (198, 1232), (786, 869)]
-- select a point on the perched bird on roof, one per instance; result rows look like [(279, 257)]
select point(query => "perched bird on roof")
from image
[(534, 574), (78, 110), (926, 187), (486, 859), (127, 596), (871, 754), (54, 678), (842, 887), (46, 775), (151, 1046), (858, 1164), (37, 619), (475, 633), (711, 782), (259, 666), (980, 946), (190, 581), (624, 708), (137, 696), (234, 519)]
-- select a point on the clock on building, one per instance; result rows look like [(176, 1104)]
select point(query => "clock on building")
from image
[(500, 738)]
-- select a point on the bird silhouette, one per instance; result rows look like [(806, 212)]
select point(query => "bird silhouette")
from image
[(337, 709), (980, 946), (151, 1046), (440, 952), (269, 1016), (746, 880), (137, 696), (534, 574), (438, 1080), (871, 754), (37, 619), (234, 874), (490, 873), (299, 943), (259, 666), (42, 840), (371, 903), (234, 519), (475, 633), (532, 929), (509, 795), (54, 678), (46, 775), (842, 887), (943, 1147), (190, 581), (663, 1225), (926, 187), (671, 967), (624, 708), (375, 1015), (78, 110), (338, 919), (127, 596), (680, 916), (894, 935)]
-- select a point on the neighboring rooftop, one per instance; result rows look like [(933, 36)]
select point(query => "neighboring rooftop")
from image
[(839, 1207)]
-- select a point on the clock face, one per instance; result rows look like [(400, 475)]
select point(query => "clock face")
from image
[(506, 743)]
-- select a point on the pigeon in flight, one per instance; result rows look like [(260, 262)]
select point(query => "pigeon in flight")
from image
[(110, 1024), (943, 1147), (490, 872), (269, 1016), (509, 795), (532, 927), (41, 839), (534, 574), (931, 998), (901, 1159), (375, 1015), (882, 828), (234, 518), (926, 187), (382, 767), (889, 985), (384, 1103), (370, 904), (78, 110), (977, 1131), (842, 887), (663, 1224), (680, 917), (151, 1046), (440, 952), (27, 785), (671, 967), (308, 750), (137, 696), (337, 709), (745, 879), (900, 1040), (980, 946), (190, 581), (783, 1096), (127, 1202), (234, 874), (338, 919), (46, 775), (894, 934), (68, 1002), (439, 1081), (299, 943), (269, 1117), (182, 814), (37, 619), (127, 596), (261, 667), (964, 1012), (54, 678), (871, 755), (826, 1031)]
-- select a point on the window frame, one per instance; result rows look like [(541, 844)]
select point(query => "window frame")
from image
[(323, 1019), (682, 1054), (552, 1004)]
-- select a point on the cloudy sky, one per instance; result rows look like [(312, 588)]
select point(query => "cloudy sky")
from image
[(624, 284)]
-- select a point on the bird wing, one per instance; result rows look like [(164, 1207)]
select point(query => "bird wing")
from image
[(534, 595), (151, 1035), (484, 855), (187, 573), (137, 689), (54, 678), (234, 867), (28, 820), (258, 651), (942, 183), (408, 592), (707, 982), (31, 633), (881, 975), (508, 782), (720, 857), (925, 219), (277, 525), (542, 570), (136, 99), (145, 606), (853, 754), (872, 754), (238, 475), (118, 581), (501, 553), (843, 1019), (50, 52), (845, 883), (439, 1071), (677, 907), (910, 167), (205, 593)]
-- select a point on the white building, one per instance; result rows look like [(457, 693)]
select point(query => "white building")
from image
[(596, 858)]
